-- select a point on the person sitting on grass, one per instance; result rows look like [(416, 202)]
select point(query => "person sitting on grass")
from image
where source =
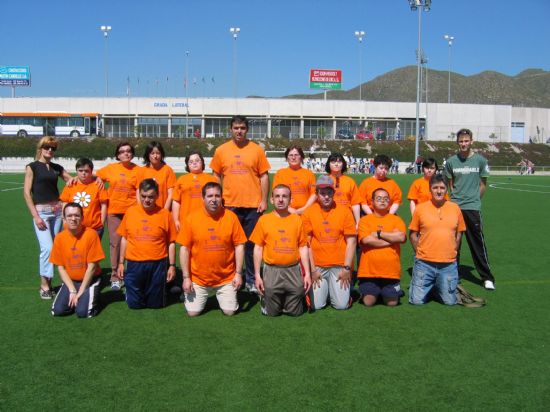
[(380, 236), (280, 242), (76, 253), (435, 232)]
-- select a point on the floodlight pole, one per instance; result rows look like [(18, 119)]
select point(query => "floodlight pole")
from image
[(449, 39), (106, 30), (360, 34), (235, 32), (186, 92), (418, 5)]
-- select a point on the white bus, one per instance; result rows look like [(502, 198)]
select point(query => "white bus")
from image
[(48, 124)]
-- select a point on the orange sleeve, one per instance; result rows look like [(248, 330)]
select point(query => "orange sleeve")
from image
[(66, 195), (263, 164), (349, 223), (355, 197), (413, 191), (239, 237), (258, 235), (171, 178), (216, 162)]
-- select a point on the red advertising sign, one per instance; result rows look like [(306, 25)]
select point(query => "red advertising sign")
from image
[(325, 79)]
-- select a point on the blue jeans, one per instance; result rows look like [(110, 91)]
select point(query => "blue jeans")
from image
[(248, 216), (52, 217), (426, 275)]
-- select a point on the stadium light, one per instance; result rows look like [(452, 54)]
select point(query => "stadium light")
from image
[(418, 5), (360, 34), (449, 39), (106, 30), (235, 32)]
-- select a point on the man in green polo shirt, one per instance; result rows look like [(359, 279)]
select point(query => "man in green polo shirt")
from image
[(468, 172)]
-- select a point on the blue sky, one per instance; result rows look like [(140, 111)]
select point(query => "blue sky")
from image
[(280, 41)]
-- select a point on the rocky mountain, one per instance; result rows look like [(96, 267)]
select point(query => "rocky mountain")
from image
[(530, 88)]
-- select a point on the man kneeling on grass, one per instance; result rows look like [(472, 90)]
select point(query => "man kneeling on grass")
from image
[(76, 252), (280, 241), (212, 253), (381, 234), (148, 244), (435, 231)]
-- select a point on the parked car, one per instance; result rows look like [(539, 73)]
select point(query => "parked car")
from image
[(344, 134), (364, 135)]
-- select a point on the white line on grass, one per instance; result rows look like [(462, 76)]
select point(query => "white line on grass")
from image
[(13, 188), (496, 185)]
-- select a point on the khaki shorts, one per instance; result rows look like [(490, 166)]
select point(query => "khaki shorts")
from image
[(226, 295)]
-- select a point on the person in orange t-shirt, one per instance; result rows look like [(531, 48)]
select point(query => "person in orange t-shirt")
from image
[(242, 168), (380, 237), (301, 181), (92, 198), (148, 238), (346, 192), (435, 232), (419, 192), (156, 168), (382, 164), (211, 254), (281, 243), (77, 252), (332, 240), (122, 179), (187, 195)]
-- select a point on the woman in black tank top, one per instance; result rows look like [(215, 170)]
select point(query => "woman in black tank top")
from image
[(42, 199)]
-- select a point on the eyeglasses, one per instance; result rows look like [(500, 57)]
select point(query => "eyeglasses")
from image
[(125, 151), (381, 199), (48, 147)]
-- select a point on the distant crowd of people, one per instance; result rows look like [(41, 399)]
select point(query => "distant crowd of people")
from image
[(324, 237)]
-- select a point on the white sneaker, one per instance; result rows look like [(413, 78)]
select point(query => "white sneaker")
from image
[(115, 285), (489, 285)]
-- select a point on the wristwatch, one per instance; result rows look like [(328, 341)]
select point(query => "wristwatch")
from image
[(347, 267), (378, 232)]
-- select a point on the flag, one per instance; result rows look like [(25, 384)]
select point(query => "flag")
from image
[(213, 79)]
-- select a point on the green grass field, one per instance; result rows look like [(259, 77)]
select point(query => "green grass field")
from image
[(404, 358)]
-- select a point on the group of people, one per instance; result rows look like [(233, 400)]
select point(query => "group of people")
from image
[(323, 235)]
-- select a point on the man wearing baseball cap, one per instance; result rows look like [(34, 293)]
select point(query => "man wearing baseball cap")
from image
[(332, 240)]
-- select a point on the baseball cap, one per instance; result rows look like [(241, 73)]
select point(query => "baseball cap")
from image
[(324, 181)]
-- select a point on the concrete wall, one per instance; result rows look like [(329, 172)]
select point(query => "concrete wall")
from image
[(443, 118)]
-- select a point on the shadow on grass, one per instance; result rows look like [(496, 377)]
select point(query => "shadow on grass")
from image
[(466, 273)]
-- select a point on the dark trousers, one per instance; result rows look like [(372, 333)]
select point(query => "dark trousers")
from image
[(476, 242), (248, 216), (87, 304), (145, 283)]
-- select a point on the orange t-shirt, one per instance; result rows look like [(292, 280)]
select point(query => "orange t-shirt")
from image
[(420, 191), (122, 186), (380, 262), (240, 169), (345, 191), (74, 253), (148, 234), (188, 193), (370, 184), (280, 237), (165, 178), (437, 228), (328, 231), (90, 197), (301, 183), (211, 242)]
